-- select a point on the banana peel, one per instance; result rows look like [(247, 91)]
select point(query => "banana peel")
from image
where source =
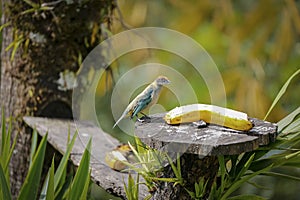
[(117, 158), (211, 114)]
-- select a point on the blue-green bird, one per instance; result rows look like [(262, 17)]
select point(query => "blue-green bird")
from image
[(145, 99)]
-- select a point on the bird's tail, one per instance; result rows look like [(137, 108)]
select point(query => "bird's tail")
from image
[(122, 116)]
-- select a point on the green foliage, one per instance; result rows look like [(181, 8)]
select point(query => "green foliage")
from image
[(200, 189), (281, 92), (50, 188), (236, 170), (149, 163), (176, 169), (5, 155), (132, 188), (57, 185), (81, 180), (31, 184), (61, 181), (5, 191)]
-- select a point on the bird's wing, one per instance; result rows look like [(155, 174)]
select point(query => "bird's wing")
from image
[(142, 103)]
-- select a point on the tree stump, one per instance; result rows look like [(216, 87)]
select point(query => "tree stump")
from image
[(199, 148)]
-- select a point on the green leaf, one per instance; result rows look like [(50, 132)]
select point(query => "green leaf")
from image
[(32, 4), (175, 169), (31, 184), (6, 149), (280, 175), (50, 188), (245, 167), (60, 175), (5, 191), (3, 132), (247, 197), (63, 191), (132, 188), (62, 167), (4, 25), (281, 92), (16, 46), (6, 165), (292, 127), (81, 174), (33, 145), (86, 187), (237, 184), (288, 119)]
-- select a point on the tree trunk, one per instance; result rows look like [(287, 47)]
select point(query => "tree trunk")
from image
[(47, 43), (193, 169)]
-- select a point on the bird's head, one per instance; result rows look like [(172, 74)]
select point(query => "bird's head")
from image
[(162, 80)]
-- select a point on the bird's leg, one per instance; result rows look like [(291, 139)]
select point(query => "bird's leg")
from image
[(146, 116), (140, 120)]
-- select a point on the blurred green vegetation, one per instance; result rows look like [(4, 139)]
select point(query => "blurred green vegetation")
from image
[(255, 45)]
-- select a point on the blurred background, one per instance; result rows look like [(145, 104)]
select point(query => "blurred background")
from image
[(255, 45)]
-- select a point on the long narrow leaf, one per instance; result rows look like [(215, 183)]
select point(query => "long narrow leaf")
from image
[(9, 156), (281, 92), (81, 174), (247, 197), (288, 119), (50, 189), (86, 188), (60, 183), (63, 191), (3, 132), (238, 183), (280, 175), (292, 127), (30, 187), (63, 163), (33, 145), (4, 186), (245, 167), (174, 168)]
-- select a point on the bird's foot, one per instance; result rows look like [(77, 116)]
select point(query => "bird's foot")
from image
[(145, 116), (143, 119), (200, 124)]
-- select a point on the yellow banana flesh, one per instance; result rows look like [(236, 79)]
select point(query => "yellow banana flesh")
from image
[(210, 114)]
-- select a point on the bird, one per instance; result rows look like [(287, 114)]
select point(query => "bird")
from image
[(145, 99)]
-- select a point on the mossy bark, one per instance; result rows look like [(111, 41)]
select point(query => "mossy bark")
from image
[(49, 39)]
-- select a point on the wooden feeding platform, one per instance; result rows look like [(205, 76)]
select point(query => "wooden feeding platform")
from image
[(198, 147), (204, 141)]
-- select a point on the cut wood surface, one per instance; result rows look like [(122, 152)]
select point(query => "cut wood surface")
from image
[(210, 140), (110, 180), (183, 138)]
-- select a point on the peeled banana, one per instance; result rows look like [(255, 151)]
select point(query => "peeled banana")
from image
[(210, 114)]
